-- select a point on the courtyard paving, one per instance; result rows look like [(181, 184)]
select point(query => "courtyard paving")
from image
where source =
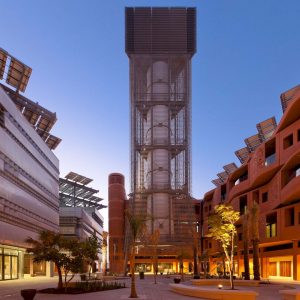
[(146, 289)]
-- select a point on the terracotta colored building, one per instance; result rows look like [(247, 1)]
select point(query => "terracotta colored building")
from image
[(270, 176), (116, 226)]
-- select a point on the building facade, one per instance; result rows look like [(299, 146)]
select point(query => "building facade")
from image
[(28, 173), (269, 175), (79, 215)]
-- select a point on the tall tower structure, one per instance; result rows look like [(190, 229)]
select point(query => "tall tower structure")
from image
[(160, 43)]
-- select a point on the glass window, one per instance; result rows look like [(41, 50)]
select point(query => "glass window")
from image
[(273, 269), (7, 267), (1, 267), (271, 223), (286, 268), (14, 267)]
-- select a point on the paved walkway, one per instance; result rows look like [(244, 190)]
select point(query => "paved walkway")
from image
[(146, 289)]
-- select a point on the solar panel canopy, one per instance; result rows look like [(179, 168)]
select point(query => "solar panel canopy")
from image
[(74, 192), (230, 168), (266, 128), (253, 142), (242, 154), (3, 58), (287, 96), (18, 75)]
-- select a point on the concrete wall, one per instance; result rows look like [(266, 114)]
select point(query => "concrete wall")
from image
[(28, 180)]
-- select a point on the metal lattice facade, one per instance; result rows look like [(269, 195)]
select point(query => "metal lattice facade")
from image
[(160, 43)]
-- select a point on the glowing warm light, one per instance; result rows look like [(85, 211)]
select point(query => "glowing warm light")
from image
[(220, 286)]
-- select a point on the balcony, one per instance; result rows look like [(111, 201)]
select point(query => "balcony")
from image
[(270, 160)]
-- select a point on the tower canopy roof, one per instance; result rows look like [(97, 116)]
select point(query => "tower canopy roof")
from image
[(160, 30)]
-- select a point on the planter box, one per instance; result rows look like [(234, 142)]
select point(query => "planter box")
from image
[(28, 294)]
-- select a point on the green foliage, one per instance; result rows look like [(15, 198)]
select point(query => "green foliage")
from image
[(222, 228), (137, 225), (95, 285), (67, 254), (89, 250), (222, 224)]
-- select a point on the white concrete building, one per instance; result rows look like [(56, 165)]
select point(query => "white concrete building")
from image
[(29, 174)]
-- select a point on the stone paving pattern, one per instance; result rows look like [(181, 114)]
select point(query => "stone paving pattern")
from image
[(146, 289)]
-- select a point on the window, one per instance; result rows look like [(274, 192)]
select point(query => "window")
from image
[(298, 135), (273, 268), (286, 268), (290, 174), (240, 235), (243, 205), (223, 192), (271, 223), (290, 217), (242, 178), (270, 152), (288, 141), (264, 197), (255, 196)]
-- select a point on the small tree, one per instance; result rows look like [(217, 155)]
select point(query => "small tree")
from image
[(72, 260), (136, 225), (222, 228), (182, 254), (49, 247), (204, 259), (90, 249)]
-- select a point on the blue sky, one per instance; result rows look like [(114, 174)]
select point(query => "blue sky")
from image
[(248, 54)]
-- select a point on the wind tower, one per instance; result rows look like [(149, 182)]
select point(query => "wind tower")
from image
[(160, 43)]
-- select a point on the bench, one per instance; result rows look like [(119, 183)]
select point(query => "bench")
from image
[(225, 282), (214, 294), (290, 294)]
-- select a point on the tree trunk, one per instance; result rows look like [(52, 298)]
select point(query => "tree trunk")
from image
[(195, 261), (256, 259), (60, 280), (181, 269), (231, 261), (246, 248), (133, 293)]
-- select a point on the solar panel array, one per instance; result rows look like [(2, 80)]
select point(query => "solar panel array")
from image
[(74, 192), (223, 176), (17, 74), (41, 119), (266, 128), (287, 97)]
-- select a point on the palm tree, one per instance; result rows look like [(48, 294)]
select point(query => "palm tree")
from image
[(246, 246), (136, 225), (48, 248), (154, 239), (255, 239)]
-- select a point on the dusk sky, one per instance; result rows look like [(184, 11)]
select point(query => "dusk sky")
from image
[(248, 53)]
